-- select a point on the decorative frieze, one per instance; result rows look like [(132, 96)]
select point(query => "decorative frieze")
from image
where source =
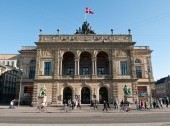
[(84, 38)]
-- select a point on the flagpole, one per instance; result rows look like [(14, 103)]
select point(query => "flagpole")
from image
[(85, 15)]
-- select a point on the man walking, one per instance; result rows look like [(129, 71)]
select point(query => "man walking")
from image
[(105, 105)]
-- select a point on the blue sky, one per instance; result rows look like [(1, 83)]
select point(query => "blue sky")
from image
[(149, 21)]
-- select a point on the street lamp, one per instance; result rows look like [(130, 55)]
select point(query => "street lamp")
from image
[(20, 87), (149, 77)]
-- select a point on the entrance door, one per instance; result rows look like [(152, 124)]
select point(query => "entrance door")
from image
[(103, 94), (67, 94), (85, 96)]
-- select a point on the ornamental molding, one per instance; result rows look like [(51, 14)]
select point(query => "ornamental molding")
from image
[(85, 38)]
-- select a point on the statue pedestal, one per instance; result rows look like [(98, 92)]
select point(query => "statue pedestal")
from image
[(128, 98), (41, 99)]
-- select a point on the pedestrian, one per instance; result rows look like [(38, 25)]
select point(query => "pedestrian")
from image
[(115, 105), (166, 101), (160, 102), (95, 104), (145, 105), (78, 105), (12, 104), (65, 106), (105, 105), (108, 105), (154, 104), (72, 104)]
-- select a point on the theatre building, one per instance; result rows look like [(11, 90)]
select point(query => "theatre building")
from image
[(86, 66)]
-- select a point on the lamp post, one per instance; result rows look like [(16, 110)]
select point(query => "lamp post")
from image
[(149, 77), (20, 87)]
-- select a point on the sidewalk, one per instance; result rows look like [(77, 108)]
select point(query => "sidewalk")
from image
[(27, 110)]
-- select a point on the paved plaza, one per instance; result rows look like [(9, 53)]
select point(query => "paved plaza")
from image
[(29, 116)]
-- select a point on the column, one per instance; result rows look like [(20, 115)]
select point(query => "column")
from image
[(77, 60), (78, 66), (94, 66), (110, 66), (56, 64), (37, 72), (113, 64), (61, 64)]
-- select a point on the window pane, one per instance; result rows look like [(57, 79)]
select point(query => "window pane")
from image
[(47, 68), (70, 71), (85, 71), (123, 65), (32, 72), (138, 71), (100, 70)]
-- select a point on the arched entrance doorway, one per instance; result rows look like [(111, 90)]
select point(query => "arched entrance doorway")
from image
[(67, 94), (103, 94), (85, 95)]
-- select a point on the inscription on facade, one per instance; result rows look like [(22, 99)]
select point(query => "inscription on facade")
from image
[(46, 53)]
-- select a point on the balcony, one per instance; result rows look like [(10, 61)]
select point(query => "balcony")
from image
[(86, 77)]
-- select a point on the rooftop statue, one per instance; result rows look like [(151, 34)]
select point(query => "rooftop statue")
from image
[(86, 29)]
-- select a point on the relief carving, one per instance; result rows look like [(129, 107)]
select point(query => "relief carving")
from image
[(121, 53), (46, 53)]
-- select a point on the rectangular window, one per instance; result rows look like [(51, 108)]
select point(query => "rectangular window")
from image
[(32, 72), (85, 71), (138, 71), (8, 63), (100, 71), (70, 71), (12, 63), (47, 68), (123, 67)]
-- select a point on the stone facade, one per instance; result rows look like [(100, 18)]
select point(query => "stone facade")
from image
[(88, 67)]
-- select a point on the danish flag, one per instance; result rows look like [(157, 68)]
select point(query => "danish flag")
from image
[(89, 11)]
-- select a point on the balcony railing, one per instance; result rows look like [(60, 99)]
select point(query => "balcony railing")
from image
[(28, 47), (86, 77), (141, 47)]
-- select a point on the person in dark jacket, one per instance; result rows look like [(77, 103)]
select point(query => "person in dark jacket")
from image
[(105, 105)]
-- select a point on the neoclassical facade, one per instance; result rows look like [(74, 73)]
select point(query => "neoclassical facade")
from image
[(86, 66)]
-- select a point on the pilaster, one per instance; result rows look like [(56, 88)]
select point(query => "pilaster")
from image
[(35, 94), (56, 64), (54, 93)]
